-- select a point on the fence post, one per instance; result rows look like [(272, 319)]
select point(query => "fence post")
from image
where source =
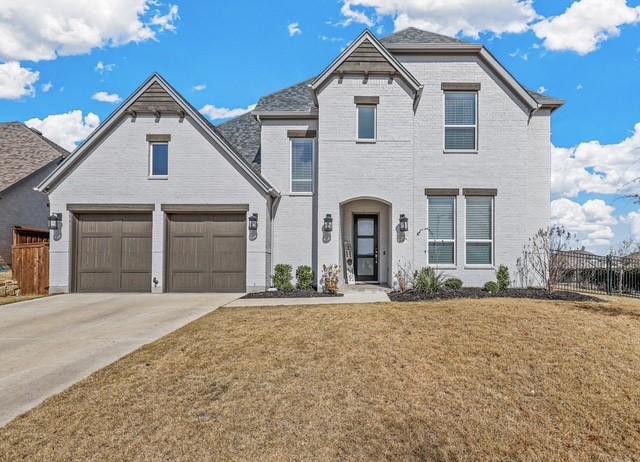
[(609, 275)]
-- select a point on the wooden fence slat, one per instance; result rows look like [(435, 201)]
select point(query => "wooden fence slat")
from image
[(30, 265)]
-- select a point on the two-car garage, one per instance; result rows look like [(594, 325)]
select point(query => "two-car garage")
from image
[(204, 252)]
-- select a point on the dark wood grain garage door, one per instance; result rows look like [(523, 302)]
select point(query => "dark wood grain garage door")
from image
[(113, 252), (206, 252)]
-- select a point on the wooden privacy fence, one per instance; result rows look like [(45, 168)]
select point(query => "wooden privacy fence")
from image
[(30, 260)]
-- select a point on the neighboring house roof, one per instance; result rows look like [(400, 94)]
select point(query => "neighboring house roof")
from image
[(24, 151), (415, 35), (185, 108), (243, 133)]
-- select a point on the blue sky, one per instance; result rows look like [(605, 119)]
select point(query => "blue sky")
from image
[(224, 55)]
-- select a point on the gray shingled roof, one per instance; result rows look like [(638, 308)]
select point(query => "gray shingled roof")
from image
[(415, 35), (543, 99), (23, 151), (243, 134), (298, 97)]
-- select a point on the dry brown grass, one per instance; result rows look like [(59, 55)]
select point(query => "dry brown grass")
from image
[(20, 298), (497, 379)]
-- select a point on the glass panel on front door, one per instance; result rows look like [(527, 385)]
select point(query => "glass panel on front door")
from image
[(366, 247)]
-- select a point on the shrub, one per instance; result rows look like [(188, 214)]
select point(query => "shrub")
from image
[(428, 281), (453, 283), (404, 276), (492, 287), (282, 278), (503, 279), (330, 278), (305, 277)]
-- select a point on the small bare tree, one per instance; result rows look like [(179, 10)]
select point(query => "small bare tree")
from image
[(542, 259)]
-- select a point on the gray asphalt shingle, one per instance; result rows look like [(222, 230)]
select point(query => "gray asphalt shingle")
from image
[(415, 35), (243, 134)]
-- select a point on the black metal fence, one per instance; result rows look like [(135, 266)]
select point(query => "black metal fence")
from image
[(587, 272)]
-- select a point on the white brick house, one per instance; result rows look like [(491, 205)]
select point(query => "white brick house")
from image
[(416, 131)]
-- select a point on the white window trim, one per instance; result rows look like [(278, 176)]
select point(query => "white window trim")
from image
[(491, 241), (444, 123), (313, 168), (151, 175), (455, 230), (375, 124)]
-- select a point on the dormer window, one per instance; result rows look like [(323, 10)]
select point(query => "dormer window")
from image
[(366, 112)]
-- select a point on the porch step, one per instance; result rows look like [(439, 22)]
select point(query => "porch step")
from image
[(364, 288)]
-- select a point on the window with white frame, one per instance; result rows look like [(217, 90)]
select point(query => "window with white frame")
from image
[(366, 122), (159, 160), (479, 230), (441, 230), (460, 121), (302, 165)]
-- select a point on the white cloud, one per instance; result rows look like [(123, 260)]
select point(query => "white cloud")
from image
[(105, 97), (218, 113), (294, 29), (541, 89), (102, 67), (579, 87), (352, 15), (592, 221), (633, 220), (470, 17), (16, 81), (325, 38), (43, 29), (46, 87), (66, 129), (199, 87), (166, 21), (596, 168), (586, 24)]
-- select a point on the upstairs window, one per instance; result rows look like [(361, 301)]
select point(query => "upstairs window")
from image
[(441, 230), (159, 160), (460, 121), (479, 233), (366, 122), (302, 165)]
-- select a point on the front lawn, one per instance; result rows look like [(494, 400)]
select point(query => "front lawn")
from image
[(488, 379)]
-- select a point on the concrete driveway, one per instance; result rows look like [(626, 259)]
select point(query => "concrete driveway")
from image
[(48, 344)]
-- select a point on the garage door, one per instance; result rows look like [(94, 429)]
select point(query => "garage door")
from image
[(113, 252), (206, 252)]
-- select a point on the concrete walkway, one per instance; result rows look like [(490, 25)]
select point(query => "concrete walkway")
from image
[(352, 294), (48, 344)]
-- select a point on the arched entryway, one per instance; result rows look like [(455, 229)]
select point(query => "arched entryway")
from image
[(365, 233)]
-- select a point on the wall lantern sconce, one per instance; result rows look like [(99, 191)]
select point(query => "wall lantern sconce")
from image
[(328, 224), (54, 221), (404, 223), (253, 222)]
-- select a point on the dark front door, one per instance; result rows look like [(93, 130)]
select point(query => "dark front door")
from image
[(365, 239)]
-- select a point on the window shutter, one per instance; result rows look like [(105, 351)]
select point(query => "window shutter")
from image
[(441, 218), (302, 165)]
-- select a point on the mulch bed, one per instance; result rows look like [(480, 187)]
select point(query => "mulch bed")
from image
[(476, 292), (297, 293)]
